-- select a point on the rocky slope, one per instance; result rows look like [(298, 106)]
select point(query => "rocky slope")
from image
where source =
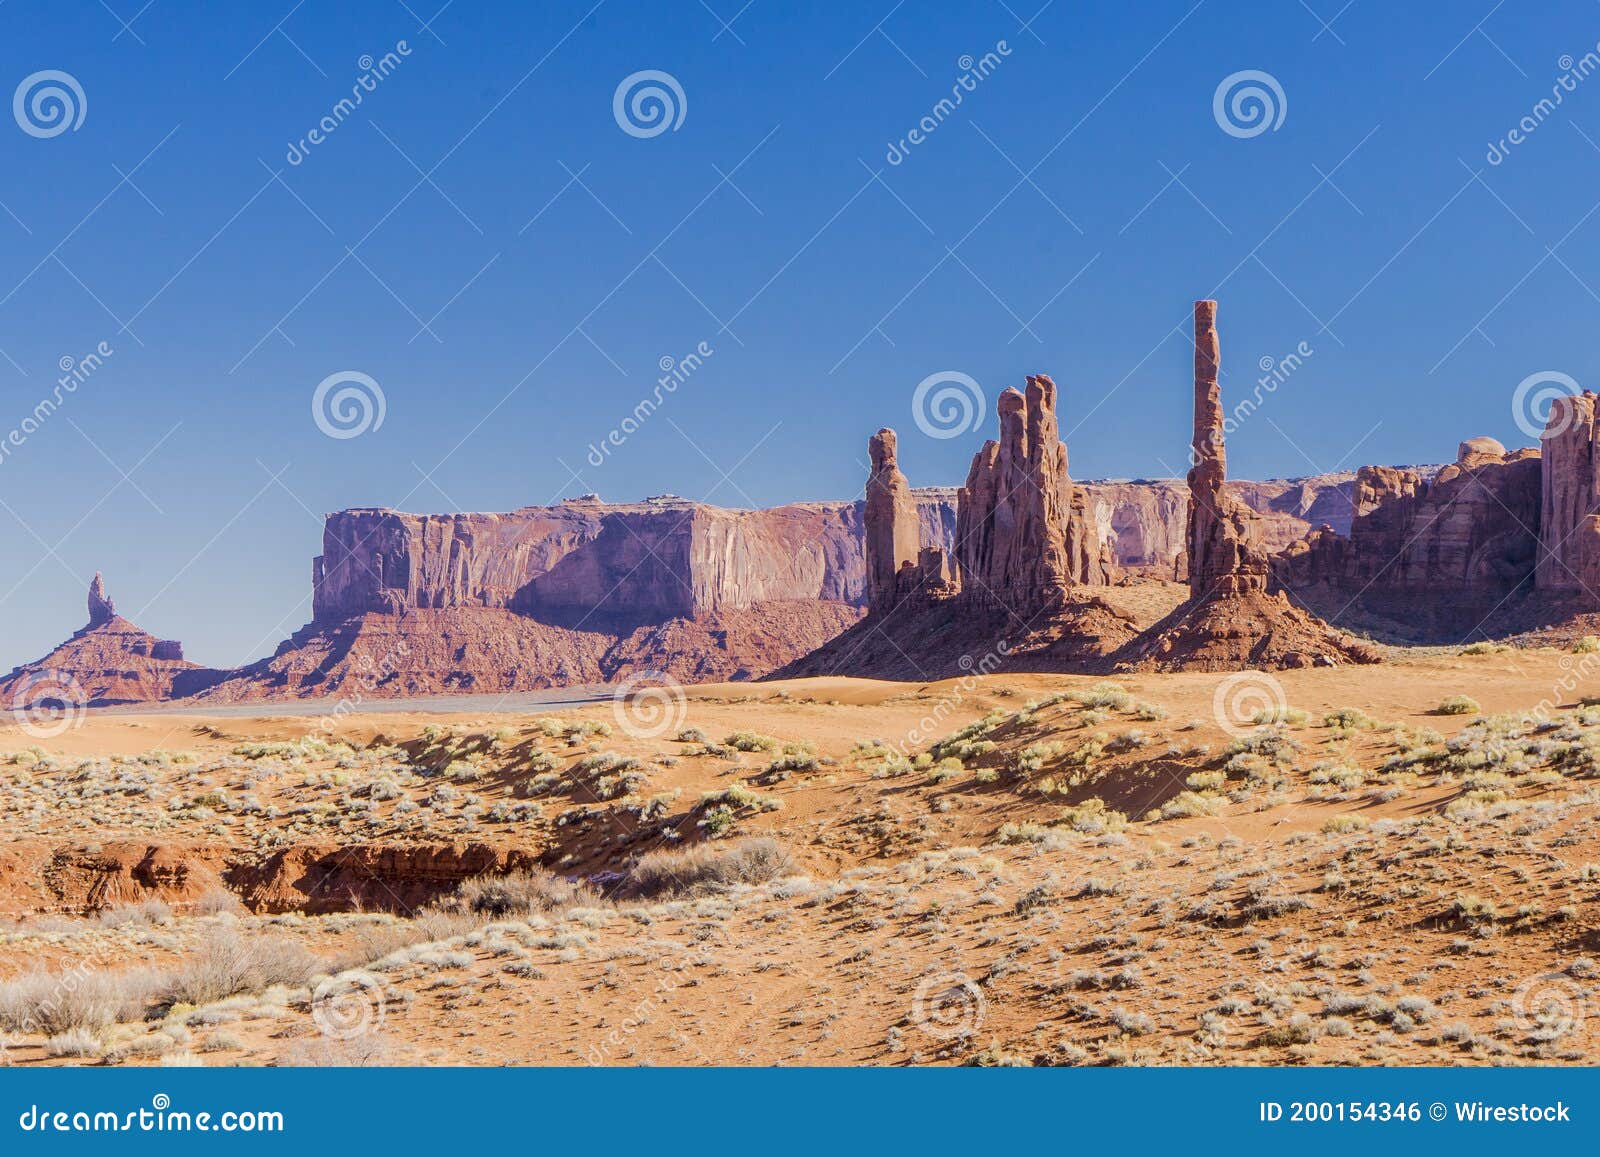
[(108, 661), (487, 650)]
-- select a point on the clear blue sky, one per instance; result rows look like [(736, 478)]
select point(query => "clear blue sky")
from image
[(228, 294)]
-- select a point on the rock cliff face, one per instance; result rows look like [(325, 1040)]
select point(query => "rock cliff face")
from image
[(1473, 529), (1569, 525), (587, 560), (108, 661), (1146, 520)]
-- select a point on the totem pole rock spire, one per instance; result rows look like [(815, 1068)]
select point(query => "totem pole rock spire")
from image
[(892, 535), (1225, 555)]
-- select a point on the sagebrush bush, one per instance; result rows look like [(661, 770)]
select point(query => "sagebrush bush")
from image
[(519, 893), (705, 867), (229, 962), (54, 1003)]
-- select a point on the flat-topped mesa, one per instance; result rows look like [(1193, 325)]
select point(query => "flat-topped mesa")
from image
[(1569, 475), (1224, 552), (892, 530), (1023, 534), (101, 609)]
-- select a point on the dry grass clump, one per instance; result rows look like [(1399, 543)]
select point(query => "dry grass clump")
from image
[(705, 867), (521, 892), (1460, 705), (57, 1003), (229, 962)]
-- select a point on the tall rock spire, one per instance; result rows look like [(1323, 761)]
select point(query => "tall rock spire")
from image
[(101, 609), (1225, 555), (892, 532), (1022, 533)]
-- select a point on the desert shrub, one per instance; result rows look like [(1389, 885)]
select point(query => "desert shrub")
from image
[(750, 741), (1107, 695), (690, 735), (75, 1042), (702, 867), (1188, 803), (1587, 645), (215, 901), (1459, 705), (54, 1003), (1292, 716), (519, 893), (229, 962), (1349, 719), (151, 911)]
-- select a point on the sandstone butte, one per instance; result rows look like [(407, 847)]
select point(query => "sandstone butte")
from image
[(1021, 560)]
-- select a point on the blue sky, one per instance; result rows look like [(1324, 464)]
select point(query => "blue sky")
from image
[(484, 241)]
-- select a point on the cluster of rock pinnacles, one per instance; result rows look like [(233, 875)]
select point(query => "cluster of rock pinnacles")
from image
[(1026, 546)]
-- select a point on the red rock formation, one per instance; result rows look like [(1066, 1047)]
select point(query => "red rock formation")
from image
[(1146, 521), (637, 562), (1569, 529), (1023, 534), (109, 661), (101, 609), (1224, 549), (1230, 621), (892, 532), (1471, 531), (467, 650)]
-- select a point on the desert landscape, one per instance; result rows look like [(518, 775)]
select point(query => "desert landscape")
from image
[(1012, 774)]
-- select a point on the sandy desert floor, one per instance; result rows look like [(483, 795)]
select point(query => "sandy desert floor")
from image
[(1383, 865)]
